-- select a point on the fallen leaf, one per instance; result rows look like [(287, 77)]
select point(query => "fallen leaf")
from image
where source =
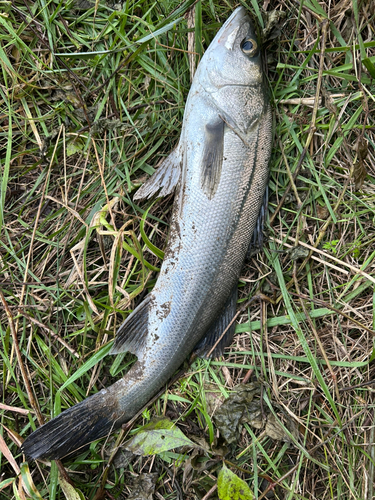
[(274, 22), (122, 457), (275, 430), (143, 487), (194, 466), (214, 397), (238, 405), (231, 487), (298, 252), (156, 437), (74, 147), (240, 408)]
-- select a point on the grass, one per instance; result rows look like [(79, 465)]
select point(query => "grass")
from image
[(92, 98)]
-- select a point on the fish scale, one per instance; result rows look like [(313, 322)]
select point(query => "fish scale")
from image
[(219, 171)]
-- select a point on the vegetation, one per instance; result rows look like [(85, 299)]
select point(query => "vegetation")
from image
[(92, 98)]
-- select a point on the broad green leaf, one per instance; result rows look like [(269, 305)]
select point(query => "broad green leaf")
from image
[(156, 437), (231, 487)]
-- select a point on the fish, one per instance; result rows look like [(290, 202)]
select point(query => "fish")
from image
[(219, 172)]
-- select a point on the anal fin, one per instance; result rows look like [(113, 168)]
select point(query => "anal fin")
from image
[(164, 180), (132, 333), (217, 328)]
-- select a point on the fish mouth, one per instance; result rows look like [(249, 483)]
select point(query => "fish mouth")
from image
[(227, 33), (234, 19)]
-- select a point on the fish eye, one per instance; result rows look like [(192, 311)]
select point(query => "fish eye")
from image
[(249, 47)]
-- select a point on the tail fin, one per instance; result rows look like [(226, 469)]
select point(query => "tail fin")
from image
[(99, 414), (74, 428)]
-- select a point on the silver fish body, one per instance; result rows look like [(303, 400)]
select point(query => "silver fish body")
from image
[(220, 171)]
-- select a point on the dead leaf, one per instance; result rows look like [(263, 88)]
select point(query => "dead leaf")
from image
[(298, 252), (143, 487), (274, 22), (214, 397), (275, 430), (230, 414), (240, 407)]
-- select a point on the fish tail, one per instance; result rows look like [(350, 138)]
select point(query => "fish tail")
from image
[(75, 428), (100, 414)]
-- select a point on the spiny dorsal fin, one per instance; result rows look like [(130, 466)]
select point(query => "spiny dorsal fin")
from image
[(164, 179), (132, 333), (212, 159)]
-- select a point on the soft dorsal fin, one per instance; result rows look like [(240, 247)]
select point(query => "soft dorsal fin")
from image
[(132, 334), (256, 242), (212, 159), (164, 180)]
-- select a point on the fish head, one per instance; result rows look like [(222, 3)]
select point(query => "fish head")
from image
[(231, 74), (233, 57)]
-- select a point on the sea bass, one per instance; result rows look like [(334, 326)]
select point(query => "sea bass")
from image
[(219, 171)]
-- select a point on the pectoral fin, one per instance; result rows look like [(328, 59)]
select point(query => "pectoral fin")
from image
[(165, 179), (217, 328), (212, 159)]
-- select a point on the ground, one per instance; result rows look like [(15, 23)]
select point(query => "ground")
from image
[(92, 99)]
